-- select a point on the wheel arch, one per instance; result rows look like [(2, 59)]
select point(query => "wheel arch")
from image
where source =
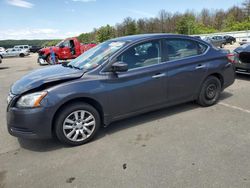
[(86, 100), (215, 74), (47, 55), (219, 76)]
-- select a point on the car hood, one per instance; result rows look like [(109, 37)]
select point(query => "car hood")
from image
[(43, 76), (47, 49)]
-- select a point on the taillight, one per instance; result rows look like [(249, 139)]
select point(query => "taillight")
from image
[(233, 57)]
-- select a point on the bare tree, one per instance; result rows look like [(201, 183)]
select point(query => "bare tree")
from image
[(246, 8)]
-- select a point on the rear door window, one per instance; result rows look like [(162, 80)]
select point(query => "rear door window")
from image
[(183, 48)]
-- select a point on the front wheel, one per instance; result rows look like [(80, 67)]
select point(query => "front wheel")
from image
[(210, 91), (77, 124), (222, 45), (50, 61)]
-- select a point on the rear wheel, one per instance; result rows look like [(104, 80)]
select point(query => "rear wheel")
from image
[(21, 55), (77, 124), (210, 91)]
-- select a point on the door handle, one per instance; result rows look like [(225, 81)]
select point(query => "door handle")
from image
[(200, 66), (159, 75)]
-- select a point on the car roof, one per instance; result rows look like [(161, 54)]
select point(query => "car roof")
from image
[(149, 36)]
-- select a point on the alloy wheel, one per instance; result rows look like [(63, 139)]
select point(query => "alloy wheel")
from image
[(79, 125)]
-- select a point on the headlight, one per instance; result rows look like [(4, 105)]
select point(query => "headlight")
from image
[(31, 100)]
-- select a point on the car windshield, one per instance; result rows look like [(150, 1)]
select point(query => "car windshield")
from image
[(97, 55), (59, 43)]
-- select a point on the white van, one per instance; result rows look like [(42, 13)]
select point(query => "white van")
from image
[(23, 47)]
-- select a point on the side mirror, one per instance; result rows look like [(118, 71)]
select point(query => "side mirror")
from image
[(119, 67)]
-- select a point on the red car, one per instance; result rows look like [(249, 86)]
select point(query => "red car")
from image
[(69, 48)]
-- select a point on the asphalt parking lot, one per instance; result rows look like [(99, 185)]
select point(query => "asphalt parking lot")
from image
[(181, 146)]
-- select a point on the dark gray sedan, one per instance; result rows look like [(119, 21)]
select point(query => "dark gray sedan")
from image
[(217, 41), (117, 79)]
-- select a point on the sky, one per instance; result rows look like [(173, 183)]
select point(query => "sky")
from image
[(58, 19)]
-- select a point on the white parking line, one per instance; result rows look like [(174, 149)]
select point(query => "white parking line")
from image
[(234, 107)]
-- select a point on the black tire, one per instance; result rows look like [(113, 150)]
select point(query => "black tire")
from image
[(65, 113), (21, 55), (210, 91)]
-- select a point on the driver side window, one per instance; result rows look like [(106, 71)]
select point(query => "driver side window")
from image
[(66, 44), (142, 55)]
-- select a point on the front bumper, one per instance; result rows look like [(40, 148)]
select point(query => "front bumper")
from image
[(30, 123), (42, 60), (242, 68)]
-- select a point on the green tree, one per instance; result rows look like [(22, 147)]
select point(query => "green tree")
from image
[(104, 33), (51, 43), (87, 37), (186, 25), (202, 29), (130, 26)]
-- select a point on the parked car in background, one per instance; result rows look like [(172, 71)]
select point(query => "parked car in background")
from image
[(242, 61), (220, 40), (22, 47), (196, 36), (245, 40), (216, 41), (35, 49), (14, 52), (2, 49), (119, 78), (229, 39), (69, 48)]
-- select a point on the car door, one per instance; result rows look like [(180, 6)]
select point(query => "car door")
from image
[(16, 52), (6, 53), (64, 50), (11, 52), (141, 87), (186, 68)]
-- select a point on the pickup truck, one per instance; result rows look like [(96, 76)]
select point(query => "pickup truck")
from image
[(69, 48)]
